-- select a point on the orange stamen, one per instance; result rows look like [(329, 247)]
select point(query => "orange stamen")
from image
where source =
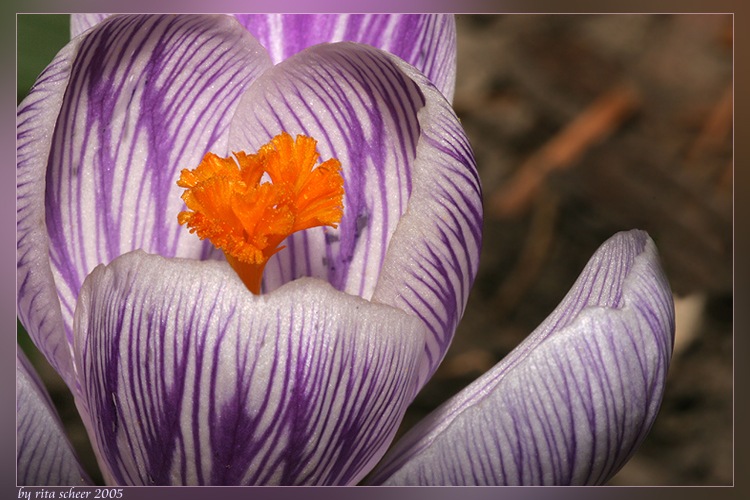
[(247, 219)]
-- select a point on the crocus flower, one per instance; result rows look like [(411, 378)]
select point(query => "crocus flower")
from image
[(183, 376)]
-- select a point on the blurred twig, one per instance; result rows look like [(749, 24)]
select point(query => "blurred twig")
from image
[(591, 126)]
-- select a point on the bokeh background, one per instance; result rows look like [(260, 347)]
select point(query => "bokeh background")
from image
[(582, 126)]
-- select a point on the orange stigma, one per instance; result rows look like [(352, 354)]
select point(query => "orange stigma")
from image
[(248, 219)]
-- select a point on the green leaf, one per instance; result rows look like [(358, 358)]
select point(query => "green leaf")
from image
[(40, 37)]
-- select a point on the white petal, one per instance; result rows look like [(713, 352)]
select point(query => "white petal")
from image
[(79, 23), (572, 402), (194, 380), (38, 304), (44, 456), (433, 256)]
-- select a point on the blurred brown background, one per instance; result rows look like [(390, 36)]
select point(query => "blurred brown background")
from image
[(582, 126)]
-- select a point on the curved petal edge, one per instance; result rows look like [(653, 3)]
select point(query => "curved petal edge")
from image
[(570, 404), (39, 307), (44, 456)]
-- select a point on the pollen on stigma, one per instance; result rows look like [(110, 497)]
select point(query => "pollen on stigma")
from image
[(248, 219)]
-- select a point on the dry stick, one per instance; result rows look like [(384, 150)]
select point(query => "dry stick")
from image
[(593, 125)]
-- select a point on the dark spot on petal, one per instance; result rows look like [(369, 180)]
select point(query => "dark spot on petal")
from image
[(361, 223)]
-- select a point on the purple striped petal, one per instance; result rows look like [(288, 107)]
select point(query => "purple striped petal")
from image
[(44, 456), (82, 22), (38, 304), (196, 381), (411, 229), (147, 96), (433, 256), (572, 403), (426, 41)]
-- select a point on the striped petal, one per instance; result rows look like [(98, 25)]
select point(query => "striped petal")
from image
[(44, 456), (38, 304), (411, 229), (426, 41), (433, 256), (572, 402), (79, 23), (132, 102), (196, 381)]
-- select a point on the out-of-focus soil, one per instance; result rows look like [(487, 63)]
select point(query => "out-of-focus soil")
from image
[(629, 119)]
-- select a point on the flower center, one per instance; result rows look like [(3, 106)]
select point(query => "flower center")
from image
[(248, 219)]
